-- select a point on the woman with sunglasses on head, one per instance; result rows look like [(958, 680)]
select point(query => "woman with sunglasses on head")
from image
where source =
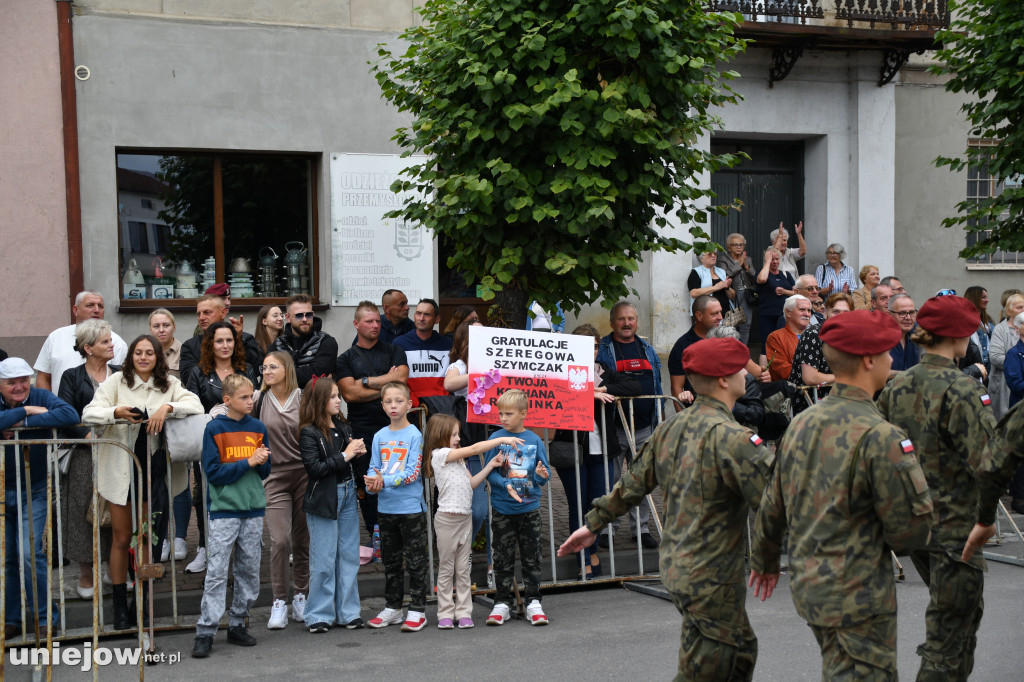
[(277, 406), (142, 390), (221, 354)]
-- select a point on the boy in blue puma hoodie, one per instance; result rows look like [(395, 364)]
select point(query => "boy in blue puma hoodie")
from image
[(235, 462)]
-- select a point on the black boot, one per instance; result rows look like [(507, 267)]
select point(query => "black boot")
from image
[(123, 618), (145, 606)]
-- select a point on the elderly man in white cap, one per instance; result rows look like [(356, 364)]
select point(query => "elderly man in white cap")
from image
[(37, 408)]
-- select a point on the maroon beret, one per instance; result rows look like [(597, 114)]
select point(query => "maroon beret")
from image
[(951, 316), (715, 357), (221, 289), (861, 332)]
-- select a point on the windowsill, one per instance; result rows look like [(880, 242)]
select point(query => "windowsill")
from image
[(995, 266), (144, 306)]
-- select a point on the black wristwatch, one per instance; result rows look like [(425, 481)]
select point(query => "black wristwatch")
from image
[(366, 382)]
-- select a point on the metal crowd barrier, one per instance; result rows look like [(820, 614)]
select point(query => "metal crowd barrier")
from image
[(627, 418), (31, 634)]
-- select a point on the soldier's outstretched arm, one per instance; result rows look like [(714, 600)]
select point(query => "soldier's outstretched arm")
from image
[(637, 481), (763, 584), (581, 537), (902, 500), (1000, 458)]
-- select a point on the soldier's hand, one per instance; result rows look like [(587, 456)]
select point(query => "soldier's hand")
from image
[(976, 540), (583, 537), (763, 584)]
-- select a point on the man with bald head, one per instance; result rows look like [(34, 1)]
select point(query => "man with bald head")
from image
[(58, 353)]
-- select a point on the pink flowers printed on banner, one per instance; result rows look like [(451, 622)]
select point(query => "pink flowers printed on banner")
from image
[(476, 397)]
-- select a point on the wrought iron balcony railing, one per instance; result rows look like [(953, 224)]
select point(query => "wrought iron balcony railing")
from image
[(896, 15)]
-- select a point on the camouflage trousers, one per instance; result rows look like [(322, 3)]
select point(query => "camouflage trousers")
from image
[(863, 652), (508, 531), (717, 642), (404, 537), (952, 617)]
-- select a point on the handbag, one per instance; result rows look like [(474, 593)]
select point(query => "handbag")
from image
[(735, 317), (561, 455), (185, 437), (105, 521)]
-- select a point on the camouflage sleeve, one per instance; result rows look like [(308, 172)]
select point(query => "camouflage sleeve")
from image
[(971, 420), (769, 527), (902, 500), (883, 401), (637, 481), (1000, 458), (745, 464)]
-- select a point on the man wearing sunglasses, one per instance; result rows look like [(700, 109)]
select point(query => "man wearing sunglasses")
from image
[(314, 351), (906, 353)]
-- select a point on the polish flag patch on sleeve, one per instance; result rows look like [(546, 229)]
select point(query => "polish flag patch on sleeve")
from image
[(907, 446), (985, 400), (756, 439)]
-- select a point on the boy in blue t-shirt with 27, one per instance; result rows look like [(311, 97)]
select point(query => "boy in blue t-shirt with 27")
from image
[(515, 506), (401, 511)]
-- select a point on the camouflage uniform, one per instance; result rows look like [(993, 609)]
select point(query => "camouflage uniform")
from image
[(403, 539), (710, 469), (999, 460), (948, 417), (848, 487)]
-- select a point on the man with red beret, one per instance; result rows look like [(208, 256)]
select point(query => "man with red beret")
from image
[(949, 419), (849, 487), (711, 471)]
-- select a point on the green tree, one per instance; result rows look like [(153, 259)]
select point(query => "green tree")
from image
[(558, 134), (983, 55)]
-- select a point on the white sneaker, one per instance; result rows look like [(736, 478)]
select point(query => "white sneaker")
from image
[(535, 614), (198, 564), (299, 607), (180, 549), (499, 614), (387, 617), (278, 615), (165, 553), (414, 622)]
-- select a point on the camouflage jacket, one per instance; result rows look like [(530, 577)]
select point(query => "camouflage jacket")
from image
[(1000, 458), (848, 486), (949, 420), (710, 469)]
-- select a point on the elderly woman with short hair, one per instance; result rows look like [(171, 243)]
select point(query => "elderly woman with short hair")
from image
[(834, 275), (94, 341), (869, 278)]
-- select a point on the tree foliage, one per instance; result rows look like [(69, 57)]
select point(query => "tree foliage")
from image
[(558, 134), (984, 55)]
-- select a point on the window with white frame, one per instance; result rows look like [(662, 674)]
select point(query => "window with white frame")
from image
[(982, 185)]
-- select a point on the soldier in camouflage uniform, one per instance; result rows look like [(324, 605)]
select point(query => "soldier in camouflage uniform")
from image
[(710, 469), (948, 417), (999, 460), (848, 487)]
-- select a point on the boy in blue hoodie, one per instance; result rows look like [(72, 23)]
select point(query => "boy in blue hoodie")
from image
[(515, 509), (235, 462), (401, 511)]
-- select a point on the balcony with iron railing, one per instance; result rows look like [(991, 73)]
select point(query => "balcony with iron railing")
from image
[(897, 28)]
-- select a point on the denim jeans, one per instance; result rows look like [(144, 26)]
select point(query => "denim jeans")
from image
[(14, 553), (334, 562), (182, 512), (481, 506), (592, 485)]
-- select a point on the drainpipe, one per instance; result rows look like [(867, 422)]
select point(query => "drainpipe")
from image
[(73, 189)]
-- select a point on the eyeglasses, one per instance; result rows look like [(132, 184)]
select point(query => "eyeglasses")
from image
[(946, 292), (737, 244), (269, 368), (303, 316), (812, 288), (905, 315), (818, 304), (831, 253)]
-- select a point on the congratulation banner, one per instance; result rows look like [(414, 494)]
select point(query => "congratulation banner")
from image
[(556, 371)]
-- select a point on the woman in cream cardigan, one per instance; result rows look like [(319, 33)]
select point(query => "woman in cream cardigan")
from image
[(143, 385)]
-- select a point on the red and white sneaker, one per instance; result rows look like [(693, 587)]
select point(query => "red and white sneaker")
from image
[(535, 614), (414, 622), (499, 614), (386, 617)]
